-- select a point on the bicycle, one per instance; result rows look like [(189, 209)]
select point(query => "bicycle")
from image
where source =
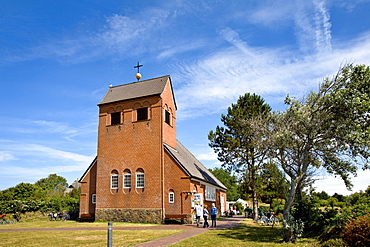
[(273, 220), (263, 221)]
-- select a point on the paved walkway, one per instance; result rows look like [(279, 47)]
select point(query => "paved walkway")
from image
[(189, 230)]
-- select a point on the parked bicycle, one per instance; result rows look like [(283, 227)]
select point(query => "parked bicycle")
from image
[(265, 221)]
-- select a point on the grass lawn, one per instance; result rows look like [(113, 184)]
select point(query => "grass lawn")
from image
[(80, 237), (76, 237), (248, 234), (46, 223)]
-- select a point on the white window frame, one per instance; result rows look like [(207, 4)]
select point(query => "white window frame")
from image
[(210, 193), (93, 198), (114, 181), (127, 178), (140, 180), (171, 197)]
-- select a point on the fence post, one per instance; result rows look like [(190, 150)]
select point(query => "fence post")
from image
[(110, 234)]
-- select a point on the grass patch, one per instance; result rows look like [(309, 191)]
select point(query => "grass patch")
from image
[(247, 234), (46, 223), (81, 237)]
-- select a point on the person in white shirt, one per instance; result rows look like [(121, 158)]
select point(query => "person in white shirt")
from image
[(198, 213)]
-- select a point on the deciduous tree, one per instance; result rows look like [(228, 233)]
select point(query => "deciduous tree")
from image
[(330, 129)]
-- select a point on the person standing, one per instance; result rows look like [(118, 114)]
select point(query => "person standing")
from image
[(198, 213), (205, 217), (213, 214)]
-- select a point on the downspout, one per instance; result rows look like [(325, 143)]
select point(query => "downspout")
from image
[(162, 159)]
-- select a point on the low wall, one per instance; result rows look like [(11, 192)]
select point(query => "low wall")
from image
[(129, 215)]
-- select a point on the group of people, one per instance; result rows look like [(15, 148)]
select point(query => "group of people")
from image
[(199, 212), (58, 216)]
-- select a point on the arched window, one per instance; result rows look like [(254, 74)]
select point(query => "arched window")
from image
[(140, 179), (127, 179), (114, 180), (168, 115), (171, 196), (141, 111), (115, 116)]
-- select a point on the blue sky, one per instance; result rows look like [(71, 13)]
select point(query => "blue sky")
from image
[(58, 58)]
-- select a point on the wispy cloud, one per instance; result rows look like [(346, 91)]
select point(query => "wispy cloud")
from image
[(5, 155), (38, 127), (55, 127), (119, 36), (322, 27), (14, 150), (29, 162), (313, 25), (215, 81)]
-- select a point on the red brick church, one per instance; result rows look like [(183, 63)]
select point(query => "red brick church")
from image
[(142, 173)]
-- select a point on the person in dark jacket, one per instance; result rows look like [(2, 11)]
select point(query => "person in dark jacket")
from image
[(205, 216), (213, 215)]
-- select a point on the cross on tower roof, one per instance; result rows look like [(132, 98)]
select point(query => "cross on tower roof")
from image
[(138, 67), (138, 75)]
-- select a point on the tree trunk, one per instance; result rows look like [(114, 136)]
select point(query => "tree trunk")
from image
[(255, 204), (254, 191), (288, 231)]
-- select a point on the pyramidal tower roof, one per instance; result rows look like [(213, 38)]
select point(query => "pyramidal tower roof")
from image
[(135, 90)]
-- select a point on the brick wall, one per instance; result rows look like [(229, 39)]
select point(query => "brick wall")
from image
[(137, 146)]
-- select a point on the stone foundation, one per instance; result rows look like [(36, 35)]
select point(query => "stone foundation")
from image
[(129, 215)]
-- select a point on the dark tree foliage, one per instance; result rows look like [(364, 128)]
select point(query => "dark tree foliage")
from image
[(321, 195), (53, 184), (239, 143), (229, 181), (273, 183)]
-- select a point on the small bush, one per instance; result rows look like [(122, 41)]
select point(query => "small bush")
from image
[(357, 232), (337, 242)]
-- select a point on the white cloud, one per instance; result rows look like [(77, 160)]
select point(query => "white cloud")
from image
[(207, 155), (55, 127), (215, 81), (271, 12), (28, 162), (331, 184), (123, 31), (172, 51), (4, 156), (27, 151), (322, 27)]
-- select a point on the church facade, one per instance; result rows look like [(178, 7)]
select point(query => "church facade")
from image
[(142, 173)]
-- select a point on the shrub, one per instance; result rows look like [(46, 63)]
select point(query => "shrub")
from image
[(293, 229), (357, 232), (336, 242)]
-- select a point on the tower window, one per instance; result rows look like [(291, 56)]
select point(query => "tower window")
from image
[(127, 181), (114, 181), (167, 117), (115, 118), (142, 113), (139, 180)]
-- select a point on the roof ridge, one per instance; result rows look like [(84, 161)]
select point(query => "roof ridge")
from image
[(130, 83), (201, 172)]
